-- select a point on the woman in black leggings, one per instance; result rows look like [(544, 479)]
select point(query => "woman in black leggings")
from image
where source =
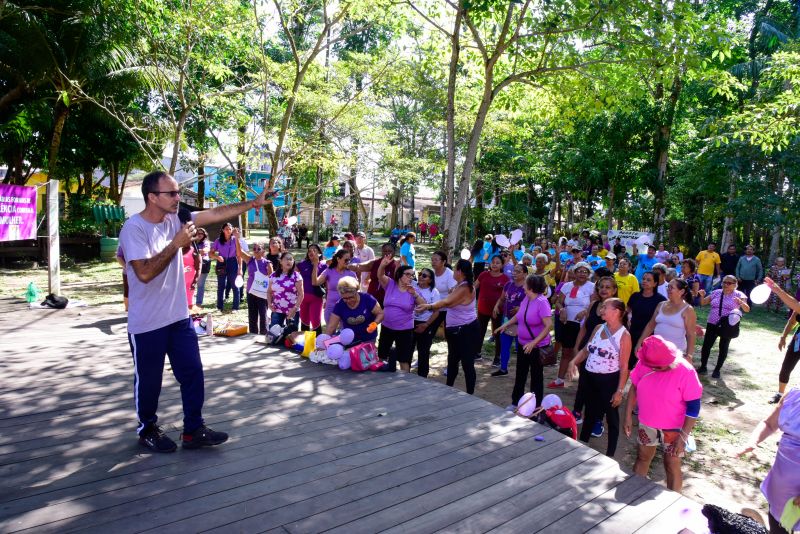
[(790, 359)]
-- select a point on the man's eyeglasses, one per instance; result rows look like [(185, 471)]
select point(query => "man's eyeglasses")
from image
[(408, 273), (257, 249), (172, 194)]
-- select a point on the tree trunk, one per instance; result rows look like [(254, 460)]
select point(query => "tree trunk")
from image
[(610, 212), (778, 224), (551, 215), (201, 182), (318, 205), (122, 185), (727, 231), (241, 177), (353, 226), (176, 140), (451, 220), (60, 114), (661, 143), (113, 182)]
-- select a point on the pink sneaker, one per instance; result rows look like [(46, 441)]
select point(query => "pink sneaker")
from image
[(555, 385)]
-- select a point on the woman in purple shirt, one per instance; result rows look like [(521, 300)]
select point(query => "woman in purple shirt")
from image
[(330, 277), (507, 307), (726, 304), (398, 316), (224, 251), (313, 295), (534, 320), (461, 325)]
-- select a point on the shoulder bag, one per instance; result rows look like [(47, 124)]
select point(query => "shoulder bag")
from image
[(726, 329), (547, 355)]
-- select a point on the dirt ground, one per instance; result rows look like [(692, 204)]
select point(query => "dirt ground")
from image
[(731, 406)]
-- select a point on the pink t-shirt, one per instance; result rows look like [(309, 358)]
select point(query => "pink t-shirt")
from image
[(537, 309), (284, 291), (662, 395)]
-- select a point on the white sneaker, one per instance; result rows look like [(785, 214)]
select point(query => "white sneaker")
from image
[(415, 365), (444, 373)]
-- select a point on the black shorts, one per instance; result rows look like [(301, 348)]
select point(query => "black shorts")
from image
[(568, 334)]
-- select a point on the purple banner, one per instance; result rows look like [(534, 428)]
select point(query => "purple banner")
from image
[(17, 212)]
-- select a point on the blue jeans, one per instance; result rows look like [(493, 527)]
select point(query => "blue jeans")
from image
[(505, 349), (706, 281), (290, 325), (227, 282), (201, 288)]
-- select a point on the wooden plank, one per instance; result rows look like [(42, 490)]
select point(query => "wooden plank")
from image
[(683, 513), (263, 391), (436, 509), (600, 508), (249, 473), (219, 503), (485, 469), (257, 436), (505, 515), (67, 444), (326, 495), (639, 512)]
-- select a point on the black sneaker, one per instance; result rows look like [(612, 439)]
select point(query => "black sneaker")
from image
[(500, 372), (715, 374), (776, 398), (154, 439), (702, 370), (203, 437), (496, 362)]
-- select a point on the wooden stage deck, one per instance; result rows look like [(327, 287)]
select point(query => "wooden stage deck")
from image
[(312, 448)]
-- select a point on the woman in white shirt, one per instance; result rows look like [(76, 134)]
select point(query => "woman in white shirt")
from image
[(424, 320), (571, 306)]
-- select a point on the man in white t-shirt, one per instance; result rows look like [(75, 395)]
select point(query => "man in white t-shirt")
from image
[(364, 253), (158, 318)]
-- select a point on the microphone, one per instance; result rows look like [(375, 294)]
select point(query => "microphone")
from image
[(185, 216)]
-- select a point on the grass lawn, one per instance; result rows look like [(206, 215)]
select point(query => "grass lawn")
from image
[(731, 406)]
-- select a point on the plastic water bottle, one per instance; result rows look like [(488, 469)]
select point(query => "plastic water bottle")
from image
[(209, 327)]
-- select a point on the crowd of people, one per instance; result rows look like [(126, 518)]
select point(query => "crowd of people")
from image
[(621, 319)]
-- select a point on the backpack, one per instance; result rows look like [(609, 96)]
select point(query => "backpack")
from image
[(364, 357), (55, 301), (559, 419)]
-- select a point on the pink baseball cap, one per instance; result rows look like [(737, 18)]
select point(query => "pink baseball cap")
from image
[(658, 352)]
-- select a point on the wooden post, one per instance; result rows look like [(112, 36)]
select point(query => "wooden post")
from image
[(53, 248)]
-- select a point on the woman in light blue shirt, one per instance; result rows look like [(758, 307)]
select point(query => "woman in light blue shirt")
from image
[(408, 255)]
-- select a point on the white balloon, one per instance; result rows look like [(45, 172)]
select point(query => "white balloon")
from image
[(292, 220), (239, 282), (516, 236), (466, 254), (760, 294), (502, 240)]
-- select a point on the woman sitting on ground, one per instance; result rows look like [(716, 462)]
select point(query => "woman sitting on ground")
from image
[(355, 310), (667, 392)]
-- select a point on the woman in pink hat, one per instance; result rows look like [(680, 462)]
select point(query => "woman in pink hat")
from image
[(667, 390)]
